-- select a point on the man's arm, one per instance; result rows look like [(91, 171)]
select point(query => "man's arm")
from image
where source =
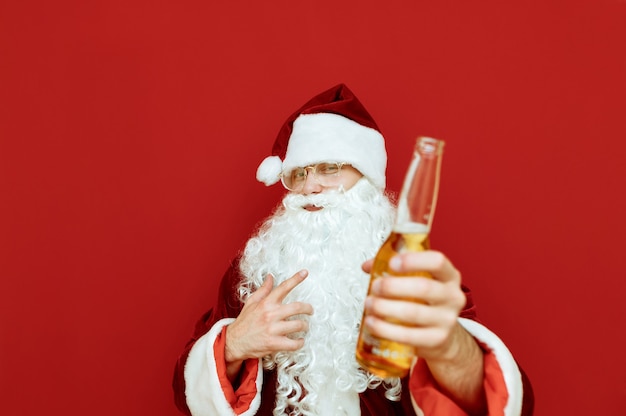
[(228, 306), (207, 381), (460, 374), (430, 322)]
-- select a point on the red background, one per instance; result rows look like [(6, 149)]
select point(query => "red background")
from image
[(130, 132)]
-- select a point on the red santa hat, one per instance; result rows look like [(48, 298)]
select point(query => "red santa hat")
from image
[(331, 127)]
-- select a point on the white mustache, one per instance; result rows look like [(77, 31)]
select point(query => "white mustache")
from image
[(327, 199)]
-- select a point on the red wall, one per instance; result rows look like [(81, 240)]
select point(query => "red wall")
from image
[(130, 132)]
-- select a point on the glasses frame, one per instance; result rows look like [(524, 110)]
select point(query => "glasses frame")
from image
[(314, 170)]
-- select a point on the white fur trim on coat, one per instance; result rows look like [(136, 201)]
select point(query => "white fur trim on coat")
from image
[(510, 372), (203, 391)]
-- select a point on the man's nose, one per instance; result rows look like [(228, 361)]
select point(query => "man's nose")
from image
[(311, 185)]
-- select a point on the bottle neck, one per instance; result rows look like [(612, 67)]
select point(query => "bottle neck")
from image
[(418, 198)]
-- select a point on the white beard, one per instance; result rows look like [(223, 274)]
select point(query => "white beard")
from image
[(331, 244)]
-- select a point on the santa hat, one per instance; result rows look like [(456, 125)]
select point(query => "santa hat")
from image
[(331, 127)]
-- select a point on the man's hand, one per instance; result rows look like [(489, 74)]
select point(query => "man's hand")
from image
[(263, 326), (427, 311), (427, 308)]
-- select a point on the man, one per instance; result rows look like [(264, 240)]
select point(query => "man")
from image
[(281, 340)]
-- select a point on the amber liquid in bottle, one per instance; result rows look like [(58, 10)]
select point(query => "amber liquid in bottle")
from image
[(382, 357)]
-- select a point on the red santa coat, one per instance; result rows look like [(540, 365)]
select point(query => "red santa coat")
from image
[(200, 382)]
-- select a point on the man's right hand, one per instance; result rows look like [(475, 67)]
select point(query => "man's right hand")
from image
[(264, 325)]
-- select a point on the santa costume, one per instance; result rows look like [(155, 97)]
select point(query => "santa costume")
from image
[(323, 378)]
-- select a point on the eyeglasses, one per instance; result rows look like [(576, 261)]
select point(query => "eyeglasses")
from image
[(326, 174)]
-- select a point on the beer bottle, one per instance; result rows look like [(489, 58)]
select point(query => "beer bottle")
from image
[(414, 217)]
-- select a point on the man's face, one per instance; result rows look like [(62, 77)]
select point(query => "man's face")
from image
[(347, 177)]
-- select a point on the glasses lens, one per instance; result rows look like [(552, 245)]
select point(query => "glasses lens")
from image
[(326, 174), (294, 179)]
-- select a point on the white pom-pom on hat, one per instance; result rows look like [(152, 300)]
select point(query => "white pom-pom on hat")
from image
[(269, 170)]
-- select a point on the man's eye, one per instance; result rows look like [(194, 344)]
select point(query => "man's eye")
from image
[(298, 175), (327, 168)]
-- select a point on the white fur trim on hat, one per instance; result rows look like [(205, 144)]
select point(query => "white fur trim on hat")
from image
[(327, 137), (269, 170)]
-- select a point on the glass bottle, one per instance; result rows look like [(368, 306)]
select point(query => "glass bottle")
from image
[(416, 207)]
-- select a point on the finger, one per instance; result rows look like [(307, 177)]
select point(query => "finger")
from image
[(286, 344), (411, 313), (420, 337), (420, 289), (263, 290), (431, 261), (367, 265), (295, 308), (294, 327), (282, 290)]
